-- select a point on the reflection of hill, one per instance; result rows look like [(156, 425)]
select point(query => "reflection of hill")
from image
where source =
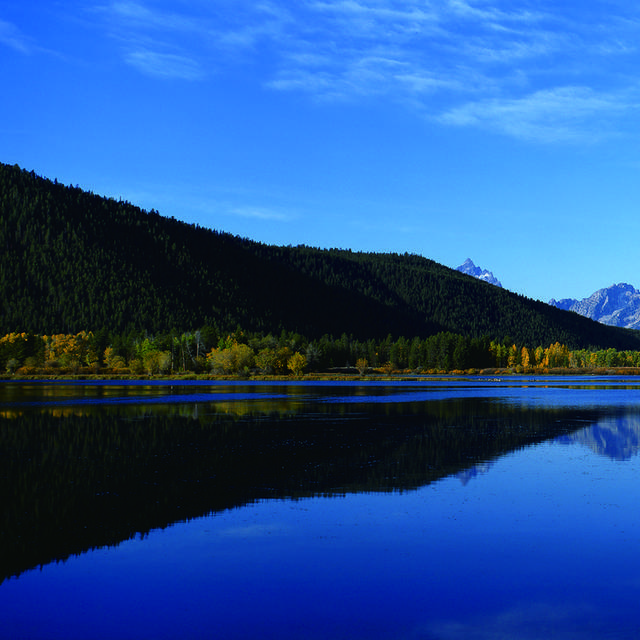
[(615, 437), (73, 482)]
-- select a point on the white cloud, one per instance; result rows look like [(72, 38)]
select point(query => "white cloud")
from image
[(259, 213), (514, 48), (532, 71), (165, 65), (316, 83), (405, 50), (491, 13), (136, 15), (367, 18), (545, 116), (157, 43), (418, 82), (12, 37)]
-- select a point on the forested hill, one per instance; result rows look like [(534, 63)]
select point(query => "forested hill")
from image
[(71, 260)]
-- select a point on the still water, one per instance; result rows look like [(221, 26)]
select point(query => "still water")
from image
[(436, 510)]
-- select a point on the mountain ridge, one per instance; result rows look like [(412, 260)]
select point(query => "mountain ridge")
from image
[(617, 306), (75, 261)]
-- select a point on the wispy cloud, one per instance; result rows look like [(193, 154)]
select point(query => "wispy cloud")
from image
[(157, 42), (515, 68), (559, 114), (12, 37), (136, 15), (260, 213), (164, 65)]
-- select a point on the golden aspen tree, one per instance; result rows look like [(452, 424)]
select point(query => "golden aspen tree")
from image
[(538, 356), (512, 358), (297, 363), (362, 364)]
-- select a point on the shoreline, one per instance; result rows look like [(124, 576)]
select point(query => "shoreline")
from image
[(374, 376)]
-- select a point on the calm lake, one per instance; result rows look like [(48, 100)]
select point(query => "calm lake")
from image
[(437, 510)]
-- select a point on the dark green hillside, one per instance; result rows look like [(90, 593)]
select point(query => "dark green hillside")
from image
[(71, 260), (459, 303)]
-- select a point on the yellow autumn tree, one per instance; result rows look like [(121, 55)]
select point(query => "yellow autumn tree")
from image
[(512, 358), (13, 350), (539, 356), (112, 360), (556, 355), (235, 358), (297, 363), (70, 350), (362, 364)]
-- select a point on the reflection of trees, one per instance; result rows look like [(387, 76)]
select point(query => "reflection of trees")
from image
[(95, 477)]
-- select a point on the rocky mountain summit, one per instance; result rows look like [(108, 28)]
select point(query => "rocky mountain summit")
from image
[(482, 274), (617, 305)]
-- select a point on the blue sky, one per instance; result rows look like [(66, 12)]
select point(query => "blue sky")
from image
[(503, 131)]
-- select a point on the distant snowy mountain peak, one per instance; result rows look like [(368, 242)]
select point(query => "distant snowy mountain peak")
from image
[(482, 274), (617, 305)]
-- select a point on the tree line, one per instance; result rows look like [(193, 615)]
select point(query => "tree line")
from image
[(206, 352)]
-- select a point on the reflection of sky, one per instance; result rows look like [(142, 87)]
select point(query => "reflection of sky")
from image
[(529, 395), (559, 391), (544, 544)]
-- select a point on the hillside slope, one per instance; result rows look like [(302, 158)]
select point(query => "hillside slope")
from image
[(72, 260)]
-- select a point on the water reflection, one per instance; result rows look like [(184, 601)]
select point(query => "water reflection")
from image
[(91, 466), (616, 437), (473, 472), (452, 510)]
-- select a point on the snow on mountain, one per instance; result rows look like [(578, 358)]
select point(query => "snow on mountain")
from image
[(617, 305), (482, 274)]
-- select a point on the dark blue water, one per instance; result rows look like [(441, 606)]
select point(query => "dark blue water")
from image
[(437, 510)]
